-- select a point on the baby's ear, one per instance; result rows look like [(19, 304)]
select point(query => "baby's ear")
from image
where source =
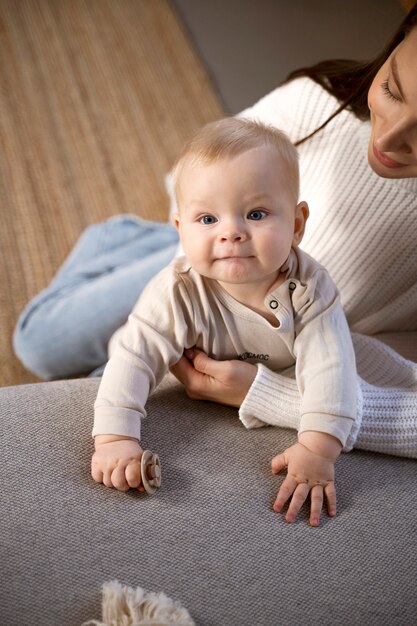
[(301, 216), (176, 220)]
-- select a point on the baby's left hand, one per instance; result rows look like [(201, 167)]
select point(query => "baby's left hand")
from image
[(308, 473)]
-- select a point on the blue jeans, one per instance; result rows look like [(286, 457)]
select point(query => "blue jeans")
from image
[(64, 331)]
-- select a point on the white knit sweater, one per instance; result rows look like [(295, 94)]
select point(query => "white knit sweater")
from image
[(363, 229)]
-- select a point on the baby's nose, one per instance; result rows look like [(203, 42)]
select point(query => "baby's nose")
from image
[(234, 236), (233, 230)]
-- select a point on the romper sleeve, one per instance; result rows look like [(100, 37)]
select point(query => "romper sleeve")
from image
[(325, 361), (158, 329), (320, 393)]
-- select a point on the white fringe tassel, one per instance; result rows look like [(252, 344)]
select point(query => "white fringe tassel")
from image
[(124, 606)]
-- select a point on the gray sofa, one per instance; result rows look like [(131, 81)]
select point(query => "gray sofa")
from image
[(209, 537)]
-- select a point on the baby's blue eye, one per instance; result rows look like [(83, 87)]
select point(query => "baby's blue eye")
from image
[(208, 219), (257, 215)]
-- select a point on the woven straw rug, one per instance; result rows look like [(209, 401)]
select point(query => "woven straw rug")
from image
[(97, 97)]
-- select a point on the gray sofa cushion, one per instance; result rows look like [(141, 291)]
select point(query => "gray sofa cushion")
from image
[(209, 537)]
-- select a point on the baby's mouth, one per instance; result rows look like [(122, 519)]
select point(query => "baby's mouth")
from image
[(235, 256)]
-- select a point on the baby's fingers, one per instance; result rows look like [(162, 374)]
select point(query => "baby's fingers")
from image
[(279, 463), (96, 471), (330, 491), (285, 492), (316, 505), (297, 501), (133, 475), (118, 479)]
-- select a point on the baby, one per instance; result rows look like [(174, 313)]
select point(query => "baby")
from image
[(243, 290)]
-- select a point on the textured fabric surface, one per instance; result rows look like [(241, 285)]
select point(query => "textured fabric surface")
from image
[(209, 537), (98, 96)]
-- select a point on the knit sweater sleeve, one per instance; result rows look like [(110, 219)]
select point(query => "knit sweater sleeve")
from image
[(159, 327)]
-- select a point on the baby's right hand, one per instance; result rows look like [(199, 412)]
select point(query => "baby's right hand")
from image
[(116, 462)]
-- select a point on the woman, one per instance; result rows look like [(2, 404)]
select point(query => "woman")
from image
[(359, 176)]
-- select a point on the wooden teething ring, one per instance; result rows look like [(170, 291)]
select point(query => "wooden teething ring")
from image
[(150, 468)]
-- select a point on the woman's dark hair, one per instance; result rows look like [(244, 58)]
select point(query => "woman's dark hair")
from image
[(349, 81)]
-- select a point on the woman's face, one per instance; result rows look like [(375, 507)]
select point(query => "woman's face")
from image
[(392, 100)]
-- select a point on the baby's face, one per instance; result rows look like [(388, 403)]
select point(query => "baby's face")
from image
[(237, 216)]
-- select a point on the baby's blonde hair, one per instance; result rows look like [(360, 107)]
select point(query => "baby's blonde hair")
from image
[(231, 136)]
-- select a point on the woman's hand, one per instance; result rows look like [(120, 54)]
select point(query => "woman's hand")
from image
[(225, 382)]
